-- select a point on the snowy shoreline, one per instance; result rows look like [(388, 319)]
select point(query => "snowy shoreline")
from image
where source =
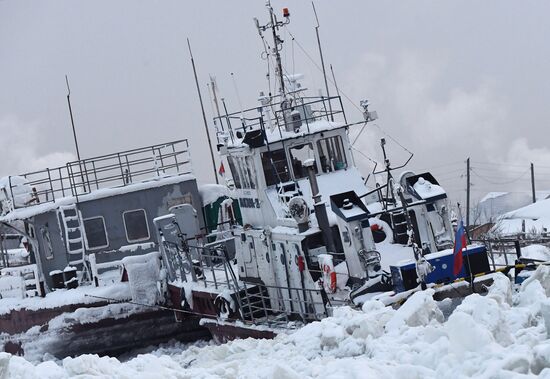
[(504, 334)]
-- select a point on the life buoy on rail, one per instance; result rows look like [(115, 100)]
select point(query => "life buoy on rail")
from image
[(329, 274)]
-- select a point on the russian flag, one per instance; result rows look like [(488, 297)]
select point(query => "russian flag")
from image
[(460, 244)]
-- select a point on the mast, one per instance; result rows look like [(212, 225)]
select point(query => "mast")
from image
[(214, 88), (203, 113), (322, 61), (274, 25), (74, 136)]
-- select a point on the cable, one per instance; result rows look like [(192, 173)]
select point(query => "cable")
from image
[(499, 183)]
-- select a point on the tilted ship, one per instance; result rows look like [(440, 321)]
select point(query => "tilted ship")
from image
[(126, 249)]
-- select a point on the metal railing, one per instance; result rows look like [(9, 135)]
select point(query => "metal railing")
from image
[(106, 171), (233, 126), (505, 251), (258, 303)]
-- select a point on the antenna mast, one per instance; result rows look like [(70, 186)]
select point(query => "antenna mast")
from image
[(203, 113), (322, 61), (274, 25), (72, 120), (75, 139)]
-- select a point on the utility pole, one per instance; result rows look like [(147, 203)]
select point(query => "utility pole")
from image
[(533, 183), (468, 192)]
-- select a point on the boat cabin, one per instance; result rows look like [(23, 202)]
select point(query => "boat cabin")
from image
[(90, 214)]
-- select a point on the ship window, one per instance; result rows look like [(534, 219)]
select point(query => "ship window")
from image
[(236, 175), (251, 173), (96, 234), (331, 154), (242, 169), (275, 167), (47, 242), (135, 223), (298, 155)]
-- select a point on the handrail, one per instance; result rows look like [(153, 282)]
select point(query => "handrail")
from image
[(254, 118), (103, 171)]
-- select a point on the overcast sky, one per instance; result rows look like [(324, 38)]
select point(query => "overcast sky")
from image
[(448, 79)]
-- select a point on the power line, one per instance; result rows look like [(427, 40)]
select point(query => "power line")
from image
[(507, 165), (499, 183)]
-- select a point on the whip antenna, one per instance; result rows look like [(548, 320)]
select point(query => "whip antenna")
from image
[(203, 113)]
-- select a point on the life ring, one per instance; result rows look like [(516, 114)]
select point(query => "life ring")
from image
[(329, 278), (381, 231)]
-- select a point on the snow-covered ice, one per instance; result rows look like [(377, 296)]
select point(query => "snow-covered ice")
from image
[(500, 335)]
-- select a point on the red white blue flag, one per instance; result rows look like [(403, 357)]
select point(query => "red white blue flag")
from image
[(460, 244)]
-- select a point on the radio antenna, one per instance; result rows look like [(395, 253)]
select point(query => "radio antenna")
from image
[(322, 60), (72, 119), (203, 113)]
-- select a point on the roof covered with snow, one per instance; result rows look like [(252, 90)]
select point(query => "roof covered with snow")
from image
[(31, 211)]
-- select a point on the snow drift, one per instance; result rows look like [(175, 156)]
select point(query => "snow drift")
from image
[(500, 335)]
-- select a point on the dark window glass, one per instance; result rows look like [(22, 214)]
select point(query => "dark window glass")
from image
[(136, 226), (96, 234), (275, 167), (331, 154)]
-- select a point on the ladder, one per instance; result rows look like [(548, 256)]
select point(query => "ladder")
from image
[(71, 220), (399, 221)]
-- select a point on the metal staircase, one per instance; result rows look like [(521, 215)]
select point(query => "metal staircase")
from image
[(71, 220)]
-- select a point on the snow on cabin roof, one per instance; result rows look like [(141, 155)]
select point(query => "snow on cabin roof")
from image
[(427, 190), (30, 211), (279, 134)]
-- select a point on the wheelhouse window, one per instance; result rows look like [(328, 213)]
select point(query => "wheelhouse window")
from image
[(275, 167), (298, 155), (234, 172), (96, 234), (332, 154), (135, 224), (242, 169)]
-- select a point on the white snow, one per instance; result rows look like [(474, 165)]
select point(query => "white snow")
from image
[(143, 275), (210, 193), (427, 190), (493, 336), (80, 295), (533, 218), (539, 252)]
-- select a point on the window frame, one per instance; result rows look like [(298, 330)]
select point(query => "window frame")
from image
[(290, 158), (334, 147), (267, 168), (146, 224), (86, 234)]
